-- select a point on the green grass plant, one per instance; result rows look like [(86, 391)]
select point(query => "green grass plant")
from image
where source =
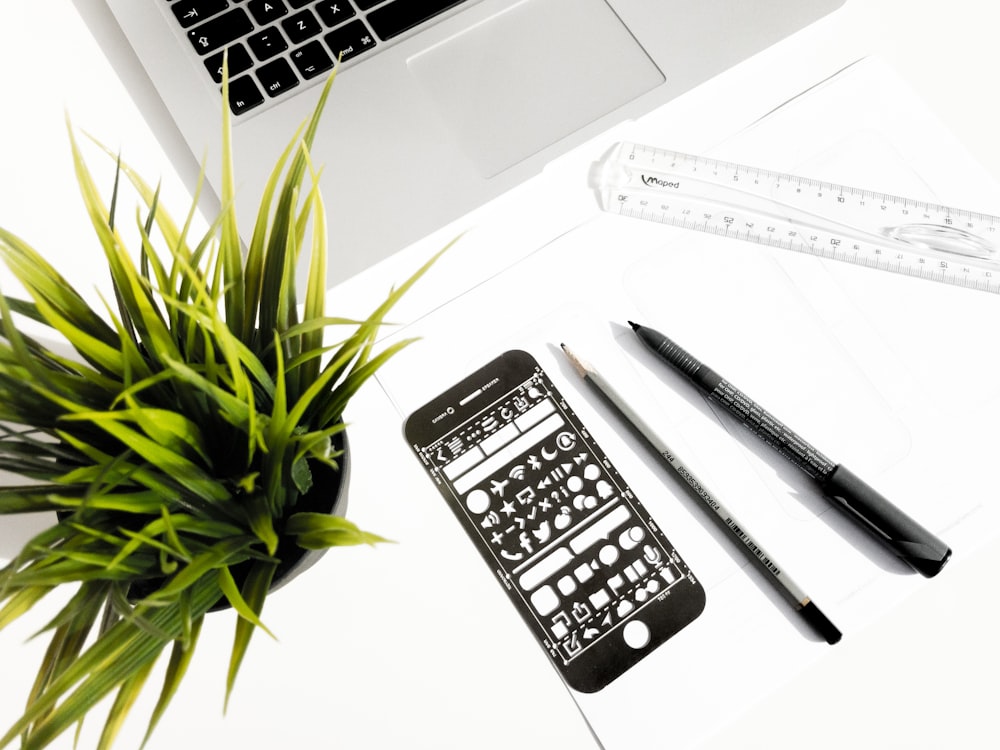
[(174, 429)]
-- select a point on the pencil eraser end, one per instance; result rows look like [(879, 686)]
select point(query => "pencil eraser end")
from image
[(821, 623)]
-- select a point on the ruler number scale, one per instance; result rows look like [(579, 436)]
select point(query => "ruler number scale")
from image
[(864, 227)]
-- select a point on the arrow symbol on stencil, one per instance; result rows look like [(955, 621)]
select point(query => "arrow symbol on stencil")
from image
[(590, 633)]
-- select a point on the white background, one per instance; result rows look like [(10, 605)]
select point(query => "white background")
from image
[(924, 676)]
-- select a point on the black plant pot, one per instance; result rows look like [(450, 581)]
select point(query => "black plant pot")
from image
[(327, 495)]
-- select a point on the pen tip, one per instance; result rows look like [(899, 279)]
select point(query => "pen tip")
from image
[(635, 326)]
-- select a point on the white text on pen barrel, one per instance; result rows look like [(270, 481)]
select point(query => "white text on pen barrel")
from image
[(650, 180)]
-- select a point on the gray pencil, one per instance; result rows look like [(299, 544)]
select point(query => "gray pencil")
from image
[(782, 581)]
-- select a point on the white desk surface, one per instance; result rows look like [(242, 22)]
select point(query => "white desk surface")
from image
[(924, 676)]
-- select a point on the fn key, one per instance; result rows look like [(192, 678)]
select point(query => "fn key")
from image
[(244, 95)]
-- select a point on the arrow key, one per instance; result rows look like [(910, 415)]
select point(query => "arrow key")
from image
[(190, 12)]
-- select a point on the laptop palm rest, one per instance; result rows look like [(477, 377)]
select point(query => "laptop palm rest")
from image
[(521, 80)]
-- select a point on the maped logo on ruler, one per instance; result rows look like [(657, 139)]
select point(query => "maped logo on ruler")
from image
[(873, 229)]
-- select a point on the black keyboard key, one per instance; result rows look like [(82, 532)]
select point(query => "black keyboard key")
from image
[(402, 15), (311, 60), (267, 43), (220, 31), (334, 11), (190, 12), (244, 95), (277, 77), (239, 61), (350, 40), (301, 26), (265, 11), (366, 4)]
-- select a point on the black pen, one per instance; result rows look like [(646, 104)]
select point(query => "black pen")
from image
[(750, 546), (910, 541)]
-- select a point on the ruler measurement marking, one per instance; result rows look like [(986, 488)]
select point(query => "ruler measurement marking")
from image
[(808, 218)]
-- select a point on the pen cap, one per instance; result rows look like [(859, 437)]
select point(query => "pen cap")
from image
[(908, 539)]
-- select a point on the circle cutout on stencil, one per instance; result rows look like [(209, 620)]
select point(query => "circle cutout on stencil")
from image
[(478, 501), (636, 634)]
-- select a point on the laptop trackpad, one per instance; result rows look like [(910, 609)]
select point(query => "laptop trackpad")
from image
[(521, 80)]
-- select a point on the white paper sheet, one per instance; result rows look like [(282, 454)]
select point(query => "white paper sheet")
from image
[(895, 377)]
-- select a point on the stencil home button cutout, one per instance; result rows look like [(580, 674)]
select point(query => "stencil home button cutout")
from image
[(636, 634)]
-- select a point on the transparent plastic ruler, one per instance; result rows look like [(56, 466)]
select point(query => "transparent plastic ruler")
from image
[(869, 228)]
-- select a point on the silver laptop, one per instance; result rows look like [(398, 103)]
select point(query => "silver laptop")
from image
[(438, 105)]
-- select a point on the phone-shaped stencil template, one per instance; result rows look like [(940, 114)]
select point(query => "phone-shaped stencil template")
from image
[(589, 571)]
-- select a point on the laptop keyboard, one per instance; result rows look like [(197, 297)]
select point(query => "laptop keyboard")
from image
[(276, 45)]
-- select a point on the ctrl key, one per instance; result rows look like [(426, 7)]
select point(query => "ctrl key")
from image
[(277, 77), (244, 95)]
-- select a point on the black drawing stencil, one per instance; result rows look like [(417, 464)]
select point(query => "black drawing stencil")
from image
[(587, 568)]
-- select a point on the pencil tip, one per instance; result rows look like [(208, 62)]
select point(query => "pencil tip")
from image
[(575, 361), (635, 326)]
